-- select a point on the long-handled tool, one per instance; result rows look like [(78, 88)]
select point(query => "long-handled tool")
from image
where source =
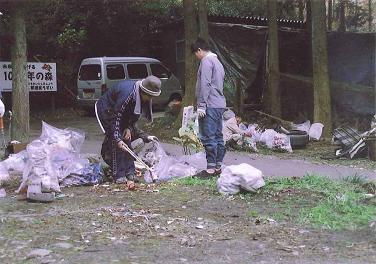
[(154, 177), (127, 149)]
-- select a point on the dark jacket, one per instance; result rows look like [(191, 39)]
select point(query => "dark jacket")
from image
[(116, 110)]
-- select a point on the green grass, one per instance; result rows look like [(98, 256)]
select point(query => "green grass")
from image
[(341, 205), (313, 200), (189, 181)]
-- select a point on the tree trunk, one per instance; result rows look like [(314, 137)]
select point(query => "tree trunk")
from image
[(342, 17), (203, 20), (190, 32), (321, 89), (301, 10), (273, 98), (370, 18), (308, 16), (330, 14), (20, 91)]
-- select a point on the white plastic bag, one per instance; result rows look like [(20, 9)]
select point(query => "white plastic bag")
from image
[(274, 140), (166, 167), (254, 131), (197, 160), (315, 131), (52, 157), (16, 163), (242, 176), (302, 127), (66, 138), (3, 193)]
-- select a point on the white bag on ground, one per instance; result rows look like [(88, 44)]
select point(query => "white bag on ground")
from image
[(274, 140), (315, 131), (242, 176)]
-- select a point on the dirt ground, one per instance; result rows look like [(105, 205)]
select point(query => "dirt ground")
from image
[(168, 223)]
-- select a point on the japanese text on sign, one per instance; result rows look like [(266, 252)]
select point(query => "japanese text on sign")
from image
[(41, 76)]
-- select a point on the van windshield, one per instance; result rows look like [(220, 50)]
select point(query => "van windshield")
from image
[(90, 72)]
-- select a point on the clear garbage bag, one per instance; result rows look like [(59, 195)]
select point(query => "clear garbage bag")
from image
[(52, 157), (315, 131), (167, 167)]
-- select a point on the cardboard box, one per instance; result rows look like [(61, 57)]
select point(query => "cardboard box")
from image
[(15, 148)]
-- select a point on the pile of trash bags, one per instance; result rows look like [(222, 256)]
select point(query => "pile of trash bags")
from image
[(233, 179), (279, 140), (52, 161)]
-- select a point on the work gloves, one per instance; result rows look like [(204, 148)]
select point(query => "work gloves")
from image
[(201, 112), (152, 138)]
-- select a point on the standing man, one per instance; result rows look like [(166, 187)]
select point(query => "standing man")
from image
[(118, 111), (211, 104)]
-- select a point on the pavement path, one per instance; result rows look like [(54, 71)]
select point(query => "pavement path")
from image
[(271, 166)]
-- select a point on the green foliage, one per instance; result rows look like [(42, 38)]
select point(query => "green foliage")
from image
[(188, 139), (236, 7), (163, 7), (70, 37)]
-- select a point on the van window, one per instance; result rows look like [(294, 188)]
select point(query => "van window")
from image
[(159, 70), (137, 71), (90, 72), (115, 72)]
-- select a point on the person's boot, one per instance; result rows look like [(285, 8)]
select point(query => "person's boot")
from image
[(132, 177), (204, 175), (121, 180)]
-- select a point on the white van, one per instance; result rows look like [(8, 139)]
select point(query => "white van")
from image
[(97, 75)]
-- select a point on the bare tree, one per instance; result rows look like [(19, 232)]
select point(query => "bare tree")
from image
[(330, 14), (370, 18), (273, 98), (321, 88), (190, 32), (301, 10), (342, 16), (308, 15), (20, 91)]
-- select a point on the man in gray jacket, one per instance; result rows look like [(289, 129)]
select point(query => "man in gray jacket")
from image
[(211, 104)]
